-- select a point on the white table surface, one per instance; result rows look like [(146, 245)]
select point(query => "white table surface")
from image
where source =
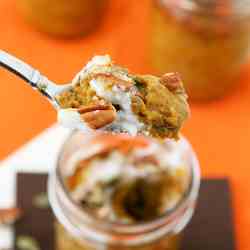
[(38, 155)]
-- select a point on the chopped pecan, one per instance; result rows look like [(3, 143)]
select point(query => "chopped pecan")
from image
[(93, 107), (151, 159), (171, 80), (140, 95), (9, 215), (98, 116), (138, 104), (115, 81)]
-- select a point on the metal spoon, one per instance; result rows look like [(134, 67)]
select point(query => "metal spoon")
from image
[(69, 117), (33, 77)]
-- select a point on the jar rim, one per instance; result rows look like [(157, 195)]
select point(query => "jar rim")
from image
[(236, 10), (166, 218)]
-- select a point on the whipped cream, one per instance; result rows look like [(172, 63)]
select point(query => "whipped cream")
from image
[(70, 118), (125, 120)]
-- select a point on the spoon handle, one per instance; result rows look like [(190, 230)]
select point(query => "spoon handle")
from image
[(29, 74)]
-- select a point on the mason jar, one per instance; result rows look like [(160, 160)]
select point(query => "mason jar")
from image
[(207, 42), (78, 230), (63, 17)]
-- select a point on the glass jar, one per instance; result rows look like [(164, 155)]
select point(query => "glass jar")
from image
[(207, 42), (78, 230), (63, 17)]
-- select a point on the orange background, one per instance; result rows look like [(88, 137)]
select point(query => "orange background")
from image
[(219, 131)]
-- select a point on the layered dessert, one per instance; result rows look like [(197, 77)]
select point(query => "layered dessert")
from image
[(123, 179), (107, 97)]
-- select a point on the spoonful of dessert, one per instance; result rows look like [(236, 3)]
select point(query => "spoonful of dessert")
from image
[(104, 96)]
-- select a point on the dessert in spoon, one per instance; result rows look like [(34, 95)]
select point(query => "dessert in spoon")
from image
[(104, 96)]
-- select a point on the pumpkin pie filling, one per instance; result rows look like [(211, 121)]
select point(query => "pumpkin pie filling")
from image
[(106, 96)]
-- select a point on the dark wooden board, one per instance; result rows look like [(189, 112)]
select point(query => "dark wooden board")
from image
[(211, 227), (36, 222)]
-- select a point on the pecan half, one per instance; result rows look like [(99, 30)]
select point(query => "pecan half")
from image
[(9, 215), (98, 116), (114, 81), (93, 107), (171, 80)]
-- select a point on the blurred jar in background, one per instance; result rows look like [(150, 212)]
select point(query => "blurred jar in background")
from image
[(206, 41), (77, 228), (63, 17)]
